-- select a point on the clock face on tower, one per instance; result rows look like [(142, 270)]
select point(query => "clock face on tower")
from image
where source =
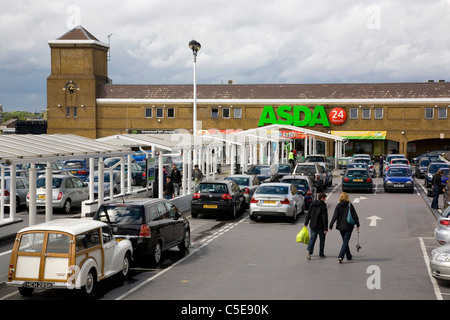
[(71, 87)]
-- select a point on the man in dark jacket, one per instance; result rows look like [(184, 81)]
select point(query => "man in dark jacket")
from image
[(318, 217), (436, 185)]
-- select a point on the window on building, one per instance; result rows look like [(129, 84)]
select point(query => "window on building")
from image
[(68, 112), (378, 113), (366, 113), (429, 113), (170, 112), (149, 112), (75, 112), (237, 113), (353, 113), (226, 113), (214, 113), (159, 112), (442, 113)]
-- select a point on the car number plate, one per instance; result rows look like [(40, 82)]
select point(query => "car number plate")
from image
[(398, 185), (270, 202), (43, 285), (210, 206), (357, 180), (41, 196)]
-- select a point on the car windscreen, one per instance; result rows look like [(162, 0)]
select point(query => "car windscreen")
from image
[(272, 190), (120, 214), (434, 167), (284, 168), (399, 172), (73, 165), (298, 183), (56, 183), (357, 173), (261, 170), (240, 181), (308, 170), (212, 188), (424, 163), (315, 159)]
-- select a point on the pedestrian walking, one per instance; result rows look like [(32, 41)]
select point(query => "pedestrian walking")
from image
[(381, 163), (317, 216), (168, 190), (436, 186), (197, 174), (175, 176), (340, 216)]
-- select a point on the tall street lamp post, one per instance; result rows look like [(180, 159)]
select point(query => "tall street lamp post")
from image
[(195, 47)]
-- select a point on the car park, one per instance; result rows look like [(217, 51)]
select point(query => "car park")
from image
[(357, 179), (276, 199), (67, 254), (442, 229), (22, 185), (440, 263), (314, 171), (304, 186), (67, 191), (217, 197), (152, 225), (247, 183), (398, 177), (421, 167)]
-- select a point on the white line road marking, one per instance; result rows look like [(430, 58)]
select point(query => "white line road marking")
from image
[(437, 290)]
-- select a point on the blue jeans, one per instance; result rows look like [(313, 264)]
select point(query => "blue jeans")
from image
[(345, 249), (435, 202), (312, 241)]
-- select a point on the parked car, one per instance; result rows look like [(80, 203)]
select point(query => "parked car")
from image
[(442, 230), (389, 157), (357, 179), (279, 170), (247, 183), (421, 167), (217, 197), (261, 171), (78, 167), (434, 153), (400, 161), (314, 171), (398, 177), (328, 174), (305, 186), (67, 191), (277, 199), (152, 225), (106, 182), (67, 254), (366, 161), (316, 158), (21, 191), (432, 168), (343, 162), (439, 262)]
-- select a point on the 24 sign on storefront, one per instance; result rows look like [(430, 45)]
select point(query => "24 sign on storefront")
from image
[(301, 116)]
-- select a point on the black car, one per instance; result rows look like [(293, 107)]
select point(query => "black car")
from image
[(261, 171), (421, 167), (221, 198), (152, 225)]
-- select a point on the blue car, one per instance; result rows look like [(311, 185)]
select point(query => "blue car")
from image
[(433, 167), (399, 178)]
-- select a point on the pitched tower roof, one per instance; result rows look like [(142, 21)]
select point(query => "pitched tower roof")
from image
[(78, 33)]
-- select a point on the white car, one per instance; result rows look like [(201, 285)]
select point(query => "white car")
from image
[(67, 254), (277, 199)]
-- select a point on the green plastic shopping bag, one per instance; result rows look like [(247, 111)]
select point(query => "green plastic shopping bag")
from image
[(303, 236)]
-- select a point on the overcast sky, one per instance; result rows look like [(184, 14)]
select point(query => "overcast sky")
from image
[(249, 41)]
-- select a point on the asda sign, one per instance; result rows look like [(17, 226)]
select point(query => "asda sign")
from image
[(301, 116)]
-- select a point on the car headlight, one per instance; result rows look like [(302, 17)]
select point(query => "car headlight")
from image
[(430, 176), (389, 183), (408, 183), (443, 257)]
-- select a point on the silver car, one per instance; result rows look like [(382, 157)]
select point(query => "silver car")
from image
[(21, 191), (442, 230), (247, 183), (67, 191), (440, 262), (276, 199)]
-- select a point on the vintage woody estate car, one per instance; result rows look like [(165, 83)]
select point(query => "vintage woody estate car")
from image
[(67, 253)]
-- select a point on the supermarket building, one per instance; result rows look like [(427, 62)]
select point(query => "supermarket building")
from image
[(377, 118)]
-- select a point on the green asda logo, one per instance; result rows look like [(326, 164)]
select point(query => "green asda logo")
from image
[(299, 116)]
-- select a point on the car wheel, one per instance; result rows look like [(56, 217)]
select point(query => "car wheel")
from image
[(26, 292), (126, 262), (67, 206), (91, 285), (294, 215), (253, 217), (233, 212), (186, 242), (194, 214), (303, 210), (156, 257)]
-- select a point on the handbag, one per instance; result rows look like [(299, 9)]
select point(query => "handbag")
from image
[(350, 220), (303, 236)]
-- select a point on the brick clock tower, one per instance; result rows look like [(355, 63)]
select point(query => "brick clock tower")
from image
[(78, 66)]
